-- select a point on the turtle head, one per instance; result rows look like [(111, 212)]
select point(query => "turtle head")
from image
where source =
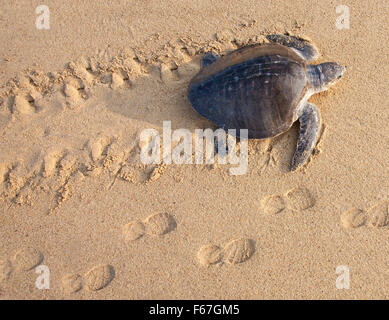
[(324, 75)]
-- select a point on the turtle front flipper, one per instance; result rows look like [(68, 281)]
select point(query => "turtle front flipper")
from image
[(302, 47), (209, 58), (309, 118)]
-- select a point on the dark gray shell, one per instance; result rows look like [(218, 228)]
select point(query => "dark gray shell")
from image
[(256, 88)]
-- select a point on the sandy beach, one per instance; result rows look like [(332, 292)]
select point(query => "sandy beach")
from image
[(79, 208)]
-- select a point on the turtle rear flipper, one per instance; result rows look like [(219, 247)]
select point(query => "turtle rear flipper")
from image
[(209, 58), (309, 118), (302, 47)]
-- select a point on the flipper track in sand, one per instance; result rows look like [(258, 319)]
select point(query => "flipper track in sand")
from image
[(25, 97)]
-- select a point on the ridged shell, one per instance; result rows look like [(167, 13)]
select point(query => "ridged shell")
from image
[(254, 88)]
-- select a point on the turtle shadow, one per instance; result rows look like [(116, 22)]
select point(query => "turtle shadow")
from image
[(158, 95)]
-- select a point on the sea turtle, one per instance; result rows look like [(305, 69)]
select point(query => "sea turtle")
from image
[(265, 89)]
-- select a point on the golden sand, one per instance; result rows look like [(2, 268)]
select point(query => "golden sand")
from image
[(76, 198)]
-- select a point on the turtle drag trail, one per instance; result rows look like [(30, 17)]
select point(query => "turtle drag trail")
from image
[(75, 197)]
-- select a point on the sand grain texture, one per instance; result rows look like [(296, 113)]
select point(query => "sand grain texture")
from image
[(75, 196)]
